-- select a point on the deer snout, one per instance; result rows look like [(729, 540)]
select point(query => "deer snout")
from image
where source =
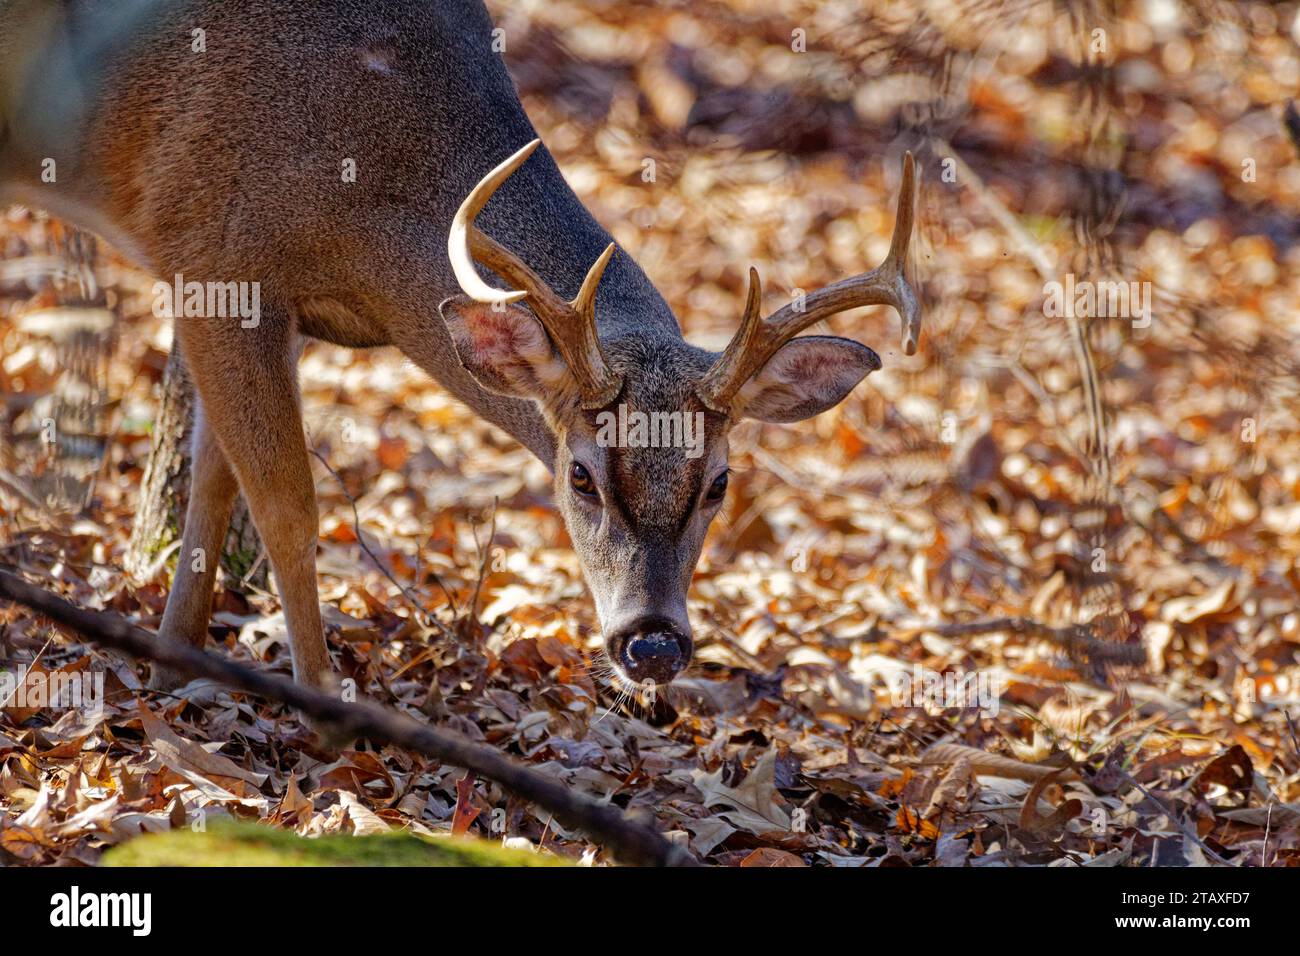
[(651, 649)]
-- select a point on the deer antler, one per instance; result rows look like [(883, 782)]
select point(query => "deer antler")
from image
[(757, 340), (570, 325)]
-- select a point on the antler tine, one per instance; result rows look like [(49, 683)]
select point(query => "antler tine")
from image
[(571, 326), (584, 303), (463, 228), (756, 342), (729, 367)]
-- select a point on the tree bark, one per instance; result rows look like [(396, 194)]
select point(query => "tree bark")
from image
[(165, 489), (164, 493)]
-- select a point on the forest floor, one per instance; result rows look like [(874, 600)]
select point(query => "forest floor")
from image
[(1110, 597)]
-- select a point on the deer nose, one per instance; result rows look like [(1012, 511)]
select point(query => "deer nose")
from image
[(652, 649)]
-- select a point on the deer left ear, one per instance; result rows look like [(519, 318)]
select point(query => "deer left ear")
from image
[(504, 347), (804, 378)]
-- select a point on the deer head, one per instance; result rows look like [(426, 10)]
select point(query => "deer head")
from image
[(641, 417)]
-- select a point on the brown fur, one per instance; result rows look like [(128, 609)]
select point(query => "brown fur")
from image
[(226, 166)]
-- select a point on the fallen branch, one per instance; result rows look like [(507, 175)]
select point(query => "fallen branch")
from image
[(1075, 639), (630, 842)]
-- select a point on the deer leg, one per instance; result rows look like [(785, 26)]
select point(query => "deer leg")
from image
[(247, 380), (212, 498)]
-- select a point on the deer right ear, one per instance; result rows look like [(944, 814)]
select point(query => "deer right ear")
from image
[(805, 377), (504, 347)]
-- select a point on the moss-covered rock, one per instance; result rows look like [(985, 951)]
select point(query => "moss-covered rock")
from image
[(251, 844)]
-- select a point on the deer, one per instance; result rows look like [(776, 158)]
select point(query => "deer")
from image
[(458, 242)]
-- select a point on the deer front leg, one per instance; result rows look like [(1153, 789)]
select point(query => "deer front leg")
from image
[(247, 382), (212, 498)]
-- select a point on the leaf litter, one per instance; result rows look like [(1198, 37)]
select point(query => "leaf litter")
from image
[(935, 523)]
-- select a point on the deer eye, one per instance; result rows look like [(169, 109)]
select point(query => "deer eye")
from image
[(718, 489), (581, 480)]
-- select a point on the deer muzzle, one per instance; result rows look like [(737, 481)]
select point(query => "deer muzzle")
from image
[(651, 649)]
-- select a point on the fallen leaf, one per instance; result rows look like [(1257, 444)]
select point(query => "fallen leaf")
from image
[(754, 803), (466, 813), (181, 754), (770, 856)]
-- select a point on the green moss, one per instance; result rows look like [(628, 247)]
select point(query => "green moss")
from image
[(238, 562), (252, 844)]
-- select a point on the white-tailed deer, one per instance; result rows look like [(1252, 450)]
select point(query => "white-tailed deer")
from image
[(224, 165)]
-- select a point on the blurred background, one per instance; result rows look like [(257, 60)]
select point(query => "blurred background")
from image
[(1100, 514)]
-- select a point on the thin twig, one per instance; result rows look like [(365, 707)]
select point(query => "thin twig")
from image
[(1166, 812), (428, 620), (485, 552), (1268, 825)]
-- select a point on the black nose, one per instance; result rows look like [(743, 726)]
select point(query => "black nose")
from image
[(652, 649)]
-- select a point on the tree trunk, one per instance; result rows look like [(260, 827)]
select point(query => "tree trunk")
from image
[(164, 493), (243, 559)]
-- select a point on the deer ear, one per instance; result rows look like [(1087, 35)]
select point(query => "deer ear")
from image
[(804, 378), (504, 347)]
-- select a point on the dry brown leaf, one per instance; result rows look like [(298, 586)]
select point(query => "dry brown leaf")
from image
[(753, 805), (950, 787), (1192, 608), (1048, 827), (364, 820), (1231, 769), (993, 765), (466, 813), (186, 756), (767, 856)]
